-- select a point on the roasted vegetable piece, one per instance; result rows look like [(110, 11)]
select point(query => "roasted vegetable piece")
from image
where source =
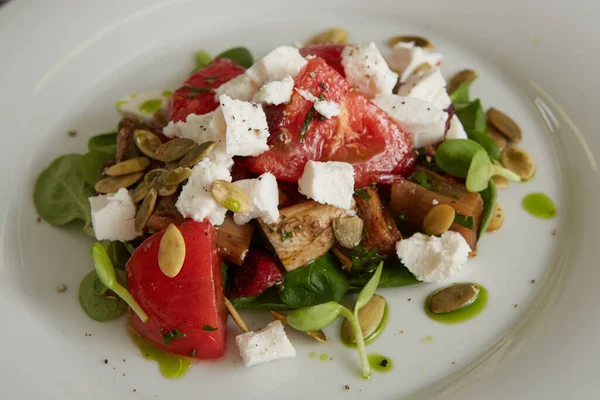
[(233, 241), (259, 272), (380, 229), (410, 202), (188, 303), (165, 213), (126, 147), (302, 233)]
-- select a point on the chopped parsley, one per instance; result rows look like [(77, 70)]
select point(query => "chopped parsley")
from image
[(194, 89), (463, 220), (363, 194), (211, 78), (286, 235), (423, 179), (171, 335), (209, 328), (364, 260), (306, 123)]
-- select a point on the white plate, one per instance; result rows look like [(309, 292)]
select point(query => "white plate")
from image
[(63, 65)]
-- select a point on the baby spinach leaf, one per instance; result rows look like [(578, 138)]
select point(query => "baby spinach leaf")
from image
[(92, 164), (317, 282), (267, 301), (393, 274), (99, 307), (105, 142), (460, 95), (315, 317), (487, 143), (454, 156), (473, 118), (202, 59), (490, 197), (61, 194), (239, 55)]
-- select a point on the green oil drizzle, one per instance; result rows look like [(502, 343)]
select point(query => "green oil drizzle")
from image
[(539, 205), (373, 335), (380, 363), (462, 314), (150, 106), (171, 366), (312, 354), (427, 339), (324, 357)]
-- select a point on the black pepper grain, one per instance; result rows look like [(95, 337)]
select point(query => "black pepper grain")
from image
[(384, 363)]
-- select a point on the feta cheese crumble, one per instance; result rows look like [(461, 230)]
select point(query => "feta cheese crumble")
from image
[(432, 258), (264, 194), (240, 88), (330, 182), (275, 92), (269, 344), (430, 87), (456, 130), (196, 200), (366, 69), (113, 216), (247, 129), (405, 58), (426, 123), (275, 66), (326, 108), (146, 106)]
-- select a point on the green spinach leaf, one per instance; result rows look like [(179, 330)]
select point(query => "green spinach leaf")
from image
[(490, 197), (267, 301), (460, 95), (102, 149), (394, 274), (454, 156), (473, 118), (105, 142), (202, 59), (315, 283), (99, 307), (61, 194), (239, 55)]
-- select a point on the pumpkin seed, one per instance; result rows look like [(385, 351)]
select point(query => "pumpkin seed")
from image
[(231, 197), (500, 181), (461, 77), (174, 149), (236, 316), (172, 164), (370, 317), (145, 211), (127, 167), (439, 219), (319, 335), (164, 191), (147, 142), (505, 125), (196, 154), (175, 177), (113, 183), (348, 231), (497, 219), (171, 252), (333, 35), (423, 67), (140, 191), (453, 297), (153, 177), (418, 41), (497, 137), (519, 161)]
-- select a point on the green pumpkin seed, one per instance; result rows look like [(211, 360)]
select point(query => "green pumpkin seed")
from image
[(172, 164), (145, 211), (418, 40), (461, 77), (370, 317), (329, 36), (152, 177), (231, 197), (112, 184), (140, 191), (348, 231), (127, 167), (196, 154), (175, 177), (505, 124), (165, 191), (171, 252), (147, 142), (453, 297), (174, 149), (519, 161)]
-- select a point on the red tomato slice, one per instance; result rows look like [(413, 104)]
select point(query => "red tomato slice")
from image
[(362, 134), (331, 53), (187, 101), (191, 302)]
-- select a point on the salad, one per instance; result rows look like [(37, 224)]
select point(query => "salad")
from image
[(284, 185)]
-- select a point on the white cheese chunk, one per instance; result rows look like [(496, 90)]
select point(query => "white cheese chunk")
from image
[(430, 87), (146, 106), (330, 182), (275, 92), (432, 258), (196, 200), (247, 130), (269, 344), (326, 108), (113, 216), (405, 58), (456, 130), (201, 129), (425, 123), (366, 69), (282, 61), (240, 88), (264, 194)]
